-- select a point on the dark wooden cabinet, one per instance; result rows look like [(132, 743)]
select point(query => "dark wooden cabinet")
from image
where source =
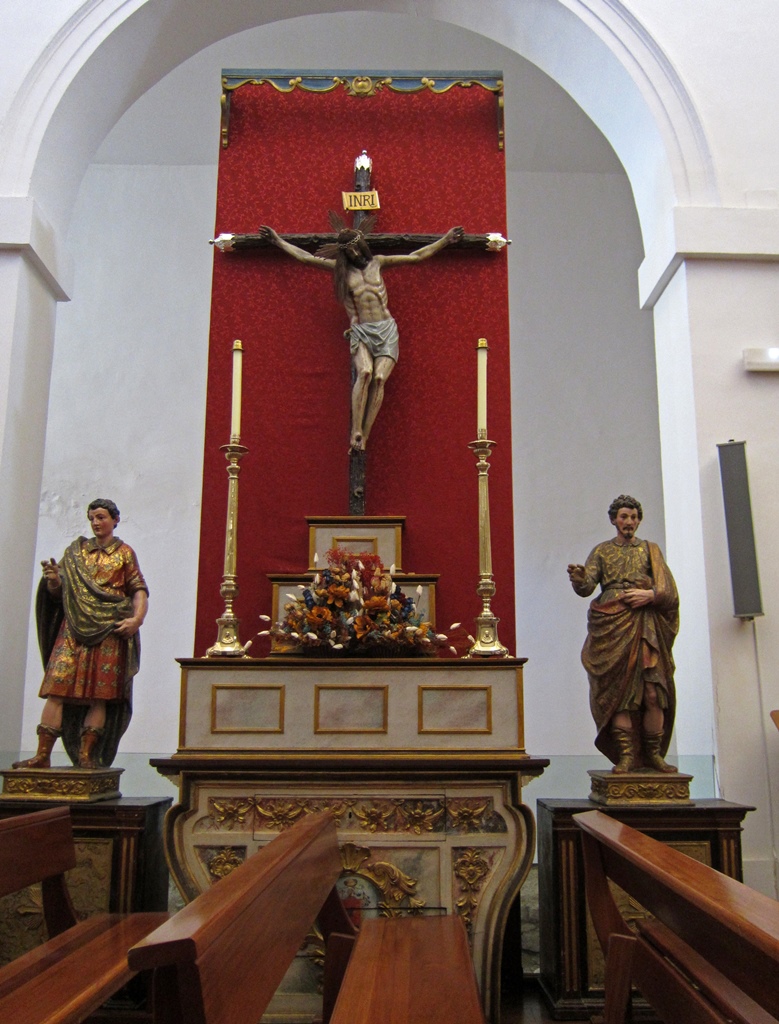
[(571, 961), (121, 865)]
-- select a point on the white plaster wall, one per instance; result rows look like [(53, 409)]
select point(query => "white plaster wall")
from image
[(731, 304), (127, 408), (726, 55), (27, 372), (585, 423)]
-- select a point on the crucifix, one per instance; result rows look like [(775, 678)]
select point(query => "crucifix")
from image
[(359, 286)]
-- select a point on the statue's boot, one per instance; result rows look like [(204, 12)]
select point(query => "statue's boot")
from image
[(47, 737), (626, 742), (86, 752), (652, 757)]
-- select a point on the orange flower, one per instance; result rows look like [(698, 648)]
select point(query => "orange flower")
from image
[(362, 626), (375, 605), (319, 616), (337, 595)]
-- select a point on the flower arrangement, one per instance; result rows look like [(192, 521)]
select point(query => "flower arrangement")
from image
[(355, 607)]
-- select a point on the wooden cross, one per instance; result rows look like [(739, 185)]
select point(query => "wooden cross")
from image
[(385, 244)]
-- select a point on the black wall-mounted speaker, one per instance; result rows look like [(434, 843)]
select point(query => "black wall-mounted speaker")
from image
[(744, 577)]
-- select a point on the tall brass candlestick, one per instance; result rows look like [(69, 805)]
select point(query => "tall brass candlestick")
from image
[(487, 644), (227, 643)]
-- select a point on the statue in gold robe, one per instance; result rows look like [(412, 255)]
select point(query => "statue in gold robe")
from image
[(631, 628)]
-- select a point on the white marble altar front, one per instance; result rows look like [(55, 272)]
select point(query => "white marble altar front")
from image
[(420, 761)]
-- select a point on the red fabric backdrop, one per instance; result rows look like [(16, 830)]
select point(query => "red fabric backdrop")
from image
[(436, 163)]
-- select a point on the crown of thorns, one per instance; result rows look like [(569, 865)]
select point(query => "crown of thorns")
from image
[(346, 236)]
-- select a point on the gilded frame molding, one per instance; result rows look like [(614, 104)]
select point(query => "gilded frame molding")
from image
[(382, 688), (216, 687), (487, 730), (361, 84)]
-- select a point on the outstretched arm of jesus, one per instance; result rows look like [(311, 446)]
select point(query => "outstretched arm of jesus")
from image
[(293, 250), (452, 236)]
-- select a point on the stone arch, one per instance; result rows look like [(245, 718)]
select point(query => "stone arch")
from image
[(110, 51)]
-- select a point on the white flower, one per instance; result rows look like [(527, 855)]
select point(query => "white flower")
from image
[(265, 618), (291, 597), (264, 632), (338, 647), (301, 586), (392, 569), (354, 596), (453, 650), (419, 591), (441, 636), (360, 566), (316, 580), (296, 635), (312, 636), (247, 646), (455, 625), (411, 629), (472, 639)]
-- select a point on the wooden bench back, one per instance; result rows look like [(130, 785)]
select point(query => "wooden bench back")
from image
[(221, 958), (38, 847), (729, 925)]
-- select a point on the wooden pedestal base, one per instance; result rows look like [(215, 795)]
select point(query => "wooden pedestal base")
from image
[(61, 784), (647, 787), (572, 967)]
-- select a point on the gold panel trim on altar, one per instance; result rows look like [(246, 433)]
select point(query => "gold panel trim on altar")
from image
[(394, 729), (367, 712), (452, 710), (234, 705)]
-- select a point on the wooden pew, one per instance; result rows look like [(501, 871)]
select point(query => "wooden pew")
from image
[(417, 970), (221, 958), (83, 963), (710, 954)]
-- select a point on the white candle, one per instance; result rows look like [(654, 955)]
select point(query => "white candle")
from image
[(235, 426), (481, 388)]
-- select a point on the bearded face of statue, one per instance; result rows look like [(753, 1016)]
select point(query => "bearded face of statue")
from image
[(626, 523)]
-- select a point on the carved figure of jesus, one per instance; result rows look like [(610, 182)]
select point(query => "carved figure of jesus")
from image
[(372, 333)]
